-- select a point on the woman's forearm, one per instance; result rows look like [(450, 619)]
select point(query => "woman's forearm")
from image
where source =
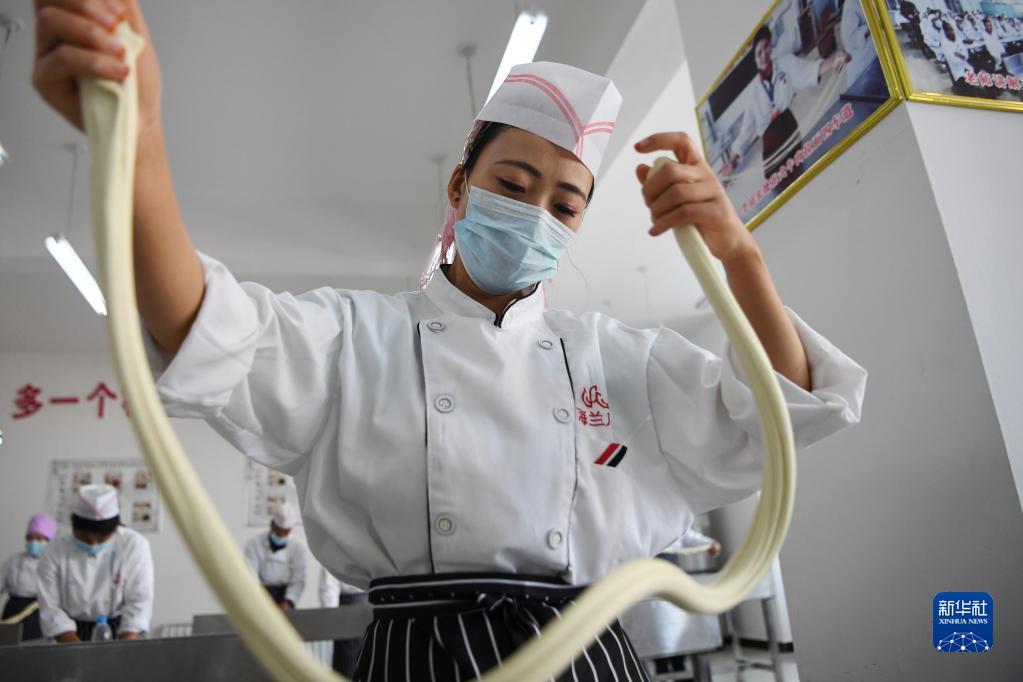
[(750, 281), (169, 280)]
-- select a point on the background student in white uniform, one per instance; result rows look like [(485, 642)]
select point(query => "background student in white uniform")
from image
[(18, 574), (471, 456), (278, 560), (957, 57), (103, 569), (994, 46)]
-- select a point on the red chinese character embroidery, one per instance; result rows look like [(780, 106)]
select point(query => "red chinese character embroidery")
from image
[(591, 396), (101, 393), (27, 402), (593, 400)]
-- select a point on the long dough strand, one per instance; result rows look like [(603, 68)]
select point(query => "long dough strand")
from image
[(111, 120)]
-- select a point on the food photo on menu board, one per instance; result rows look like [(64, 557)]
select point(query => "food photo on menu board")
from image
[(266, 490), (805, 85)]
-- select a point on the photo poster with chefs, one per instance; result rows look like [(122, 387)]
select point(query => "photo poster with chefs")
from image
[(807, 83), (962, 53), (137, 494), (265, 490)]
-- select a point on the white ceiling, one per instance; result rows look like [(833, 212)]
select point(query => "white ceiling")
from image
[(300, 136)]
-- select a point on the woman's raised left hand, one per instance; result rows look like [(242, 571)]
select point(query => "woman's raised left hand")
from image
[(686, 192)]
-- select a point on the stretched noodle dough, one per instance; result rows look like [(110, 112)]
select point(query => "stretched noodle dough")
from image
[(111, 120)]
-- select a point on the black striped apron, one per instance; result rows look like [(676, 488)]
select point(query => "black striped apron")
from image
[(30, 625), (457, 626)]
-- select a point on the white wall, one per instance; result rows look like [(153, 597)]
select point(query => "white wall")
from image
[(74, 432), (975, 177), (919, 498)]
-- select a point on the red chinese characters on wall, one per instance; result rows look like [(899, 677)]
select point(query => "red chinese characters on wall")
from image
[(29, 400), (597, 412)]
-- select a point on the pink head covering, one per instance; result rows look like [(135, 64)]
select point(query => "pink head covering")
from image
[(43, 524), (443, 249)]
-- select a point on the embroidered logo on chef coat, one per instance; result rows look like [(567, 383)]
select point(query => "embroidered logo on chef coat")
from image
[(612, 455), (597, 412)]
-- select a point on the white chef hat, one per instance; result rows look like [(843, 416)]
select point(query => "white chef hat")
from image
[(285, 516), (572, 108), (96, 502)]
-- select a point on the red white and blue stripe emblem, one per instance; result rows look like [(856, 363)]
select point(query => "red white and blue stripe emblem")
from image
[(612, 455)]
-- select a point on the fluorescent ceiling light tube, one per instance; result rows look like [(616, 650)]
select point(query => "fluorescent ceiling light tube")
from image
[(522, 46), (62, 252)]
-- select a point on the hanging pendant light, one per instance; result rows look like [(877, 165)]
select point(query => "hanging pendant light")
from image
[(66, 256)]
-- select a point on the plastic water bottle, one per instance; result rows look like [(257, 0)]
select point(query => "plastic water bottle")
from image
[(102, 631)]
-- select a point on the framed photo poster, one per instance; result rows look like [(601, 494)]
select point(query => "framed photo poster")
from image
[(810, 80), (963, 52)]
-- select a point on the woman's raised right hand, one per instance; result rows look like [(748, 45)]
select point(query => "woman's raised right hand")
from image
[(75, 38)]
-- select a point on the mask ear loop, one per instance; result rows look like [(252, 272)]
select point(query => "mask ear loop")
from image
[(586, 282)]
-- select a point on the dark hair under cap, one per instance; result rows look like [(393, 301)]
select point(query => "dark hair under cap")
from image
[(763, 33), (104, 527), (474, 147)]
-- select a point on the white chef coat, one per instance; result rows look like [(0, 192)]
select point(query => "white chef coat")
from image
[(955, 56), (855, 30), (331, 588), (856, 40), (286, 566), (994, 47), (423, 438), (764, 102), (76, 586), (694, 538), (18, 576), (933, 35)]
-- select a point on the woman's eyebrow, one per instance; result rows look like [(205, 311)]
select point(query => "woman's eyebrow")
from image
[(535, 172)]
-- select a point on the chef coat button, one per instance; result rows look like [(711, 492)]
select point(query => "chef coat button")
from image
[(554, 539), (445, 526), (546, 344), (436, 326), (444, 403), (562, 415)]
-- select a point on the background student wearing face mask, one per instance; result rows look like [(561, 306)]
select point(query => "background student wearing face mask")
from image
[(18, 574), (277, 560), (103, 569)]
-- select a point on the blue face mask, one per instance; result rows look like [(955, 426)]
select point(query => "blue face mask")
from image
[(276, 540), (507, 245), (35, 547), (91, 550)]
